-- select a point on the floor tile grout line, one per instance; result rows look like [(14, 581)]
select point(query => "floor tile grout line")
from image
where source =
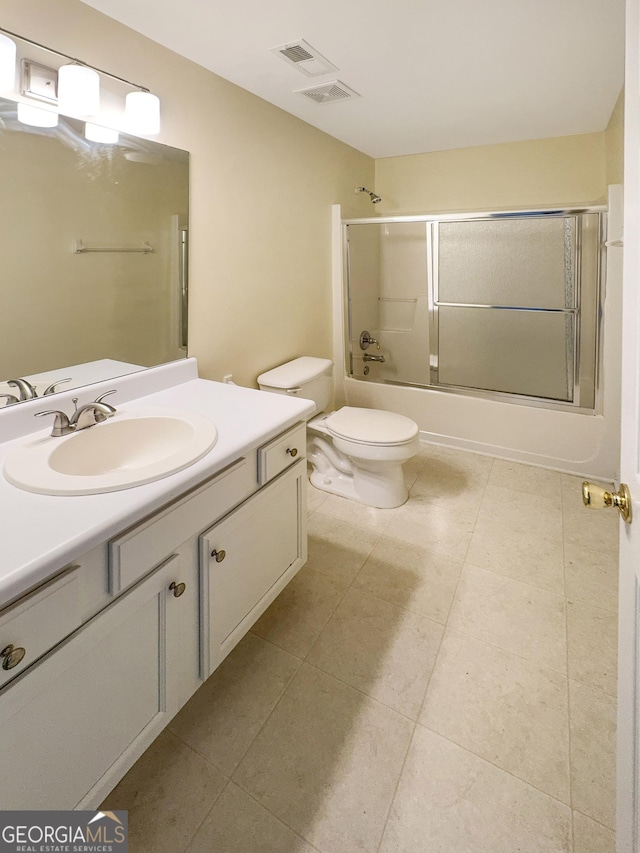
[(273, 815), (266, 720), (595, 820), (396, 786), (497, 766), (185, 849), (517, 580), (530, 661), (246, 791), (362, 692), (211, 763)]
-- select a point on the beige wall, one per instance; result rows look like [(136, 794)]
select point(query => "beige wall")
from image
[(262, 185), (614, 140), (559, 171)]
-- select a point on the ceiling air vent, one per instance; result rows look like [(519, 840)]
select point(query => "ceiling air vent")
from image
[(328, 92), (304, 58)]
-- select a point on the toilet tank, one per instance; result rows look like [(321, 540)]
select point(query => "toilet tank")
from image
[(306, 377)]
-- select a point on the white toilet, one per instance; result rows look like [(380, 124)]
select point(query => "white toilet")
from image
[(355, 453)]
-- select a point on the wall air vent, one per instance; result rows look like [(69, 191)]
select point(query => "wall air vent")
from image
[(328, 92), (304, 58)]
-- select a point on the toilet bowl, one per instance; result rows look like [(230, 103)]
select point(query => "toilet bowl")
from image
[(355, 453)]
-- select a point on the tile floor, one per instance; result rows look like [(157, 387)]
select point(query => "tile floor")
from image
[(440, 678)]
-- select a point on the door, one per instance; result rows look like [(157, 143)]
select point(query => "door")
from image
[(247, 558), (88, 710), (628, 826)]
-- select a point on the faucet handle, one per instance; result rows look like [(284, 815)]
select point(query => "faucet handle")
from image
[(10, 398), (61, 424), (52, 388), (106, 394), (366, 340)]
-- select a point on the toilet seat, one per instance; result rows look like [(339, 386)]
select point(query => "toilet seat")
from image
[(371, 426)]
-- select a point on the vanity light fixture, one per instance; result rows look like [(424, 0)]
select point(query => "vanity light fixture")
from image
[(7, 63), (79, 87), (37, 116), (143, 113), (78, 90), (97, 133)]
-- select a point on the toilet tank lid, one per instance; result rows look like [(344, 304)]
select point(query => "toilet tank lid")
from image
[(296, 372)]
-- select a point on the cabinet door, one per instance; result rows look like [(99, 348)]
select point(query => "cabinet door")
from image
[(246, 560), (88, 709)]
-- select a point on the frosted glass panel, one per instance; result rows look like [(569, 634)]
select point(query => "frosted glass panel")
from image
[(403, 260), (524, 262), (521, 352)]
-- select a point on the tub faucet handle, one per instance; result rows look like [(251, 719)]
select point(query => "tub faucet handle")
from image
[(366, 340)]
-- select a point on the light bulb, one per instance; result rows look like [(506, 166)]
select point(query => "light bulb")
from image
[(78, 90), (143, 113), (36, 116)]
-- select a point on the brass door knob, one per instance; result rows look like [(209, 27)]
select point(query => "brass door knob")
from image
[(177, 588), (218, 555), (595, 497), (292, 451), (12, 656)]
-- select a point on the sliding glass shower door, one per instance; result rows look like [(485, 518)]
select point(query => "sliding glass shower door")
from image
[(496, 304)]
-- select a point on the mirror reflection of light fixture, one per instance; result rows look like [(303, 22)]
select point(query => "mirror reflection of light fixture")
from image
[(78, 90), (143, 113), (78, 87), (97, 133), (36, 116), (7, 63)]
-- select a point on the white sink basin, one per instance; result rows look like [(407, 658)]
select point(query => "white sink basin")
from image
[(129, 449)]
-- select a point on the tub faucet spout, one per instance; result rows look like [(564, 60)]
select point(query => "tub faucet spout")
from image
[(368, 357)]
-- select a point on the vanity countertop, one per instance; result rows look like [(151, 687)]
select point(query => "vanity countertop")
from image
[(41, 533)]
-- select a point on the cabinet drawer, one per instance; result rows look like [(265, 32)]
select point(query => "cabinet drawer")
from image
[(147, 544), (283, 451), (38, 622)]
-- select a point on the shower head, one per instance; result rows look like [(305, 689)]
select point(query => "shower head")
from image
[(374, 198)]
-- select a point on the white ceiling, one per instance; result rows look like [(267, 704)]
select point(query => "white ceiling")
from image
[(431, 76)]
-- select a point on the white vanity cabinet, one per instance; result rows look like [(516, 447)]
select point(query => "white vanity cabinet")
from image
[(98, 698), (118, 642)]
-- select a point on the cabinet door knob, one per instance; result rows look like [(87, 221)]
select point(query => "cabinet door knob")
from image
[(219, 555), (178, 588), (11, 656), (292, 451)]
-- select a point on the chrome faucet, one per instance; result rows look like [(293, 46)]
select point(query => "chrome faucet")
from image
[(91, 413), (85, 416), (368, 357), (26, 389)]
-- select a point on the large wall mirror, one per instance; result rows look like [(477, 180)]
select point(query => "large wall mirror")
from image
[(93, 254)]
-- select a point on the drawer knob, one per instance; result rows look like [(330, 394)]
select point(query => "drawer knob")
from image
[(219, 555), (177, 588), (292, 451), (11, 656)]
